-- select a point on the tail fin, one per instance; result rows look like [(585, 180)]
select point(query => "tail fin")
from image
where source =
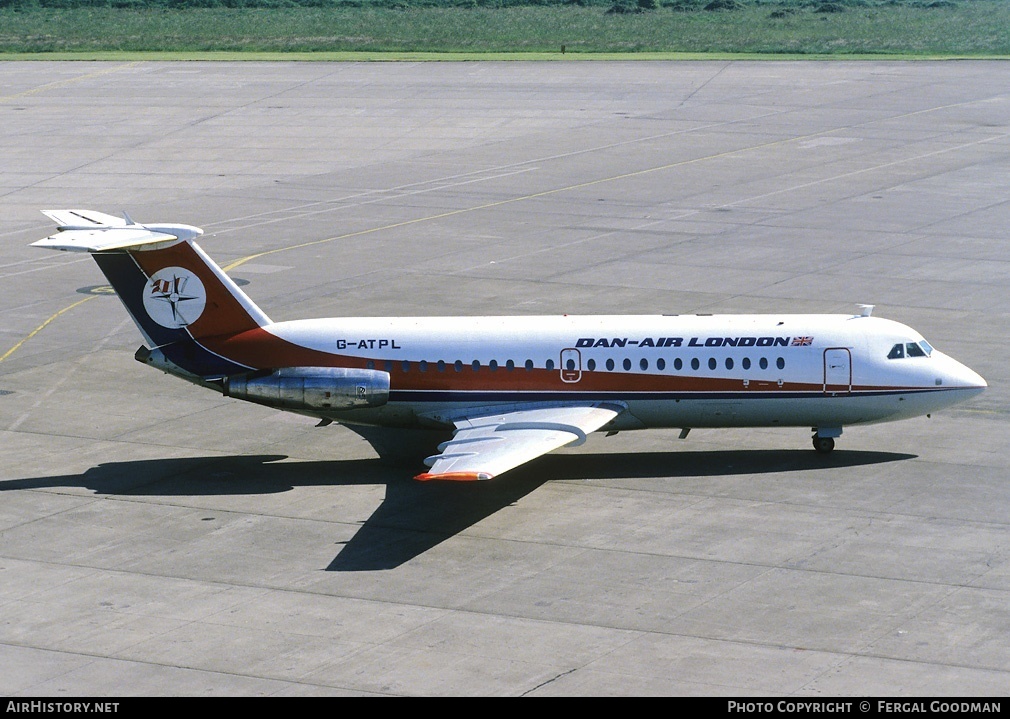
[(174, 292)]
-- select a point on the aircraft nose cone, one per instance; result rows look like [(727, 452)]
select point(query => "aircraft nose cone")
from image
[(974, 380), (961, 376)]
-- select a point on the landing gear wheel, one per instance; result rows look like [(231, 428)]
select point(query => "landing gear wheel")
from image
[(823, 445)]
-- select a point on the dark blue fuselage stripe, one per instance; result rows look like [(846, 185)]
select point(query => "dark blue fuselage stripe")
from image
[(194, 357), (472, 396)]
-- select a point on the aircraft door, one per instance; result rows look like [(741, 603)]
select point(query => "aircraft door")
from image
[(571, 365), (837, 371)]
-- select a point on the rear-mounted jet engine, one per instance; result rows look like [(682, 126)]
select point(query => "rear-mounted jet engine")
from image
[(312, 388)]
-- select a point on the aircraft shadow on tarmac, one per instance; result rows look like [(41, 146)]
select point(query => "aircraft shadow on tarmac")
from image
[(416, 516)]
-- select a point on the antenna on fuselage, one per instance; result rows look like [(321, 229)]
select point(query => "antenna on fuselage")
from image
[(865, 310)]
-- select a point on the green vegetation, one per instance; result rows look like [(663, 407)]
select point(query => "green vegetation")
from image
[(944, 28)]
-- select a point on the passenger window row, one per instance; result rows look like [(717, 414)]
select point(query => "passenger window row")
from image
[(610, 364), (457, 366), (678, 364)]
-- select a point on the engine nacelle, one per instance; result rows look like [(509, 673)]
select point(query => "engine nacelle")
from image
[(312, 388)]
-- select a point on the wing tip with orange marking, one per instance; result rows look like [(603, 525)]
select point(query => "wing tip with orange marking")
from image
[(453, 476)]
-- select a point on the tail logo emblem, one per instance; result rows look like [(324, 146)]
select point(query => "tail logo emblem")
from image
[(174, 297)]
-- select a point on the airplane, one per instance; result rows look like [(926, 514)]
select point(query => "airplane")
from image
[(511, 388)]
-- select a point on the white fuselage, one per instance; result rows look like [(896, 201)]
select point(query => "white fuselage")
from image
[(672, 371)]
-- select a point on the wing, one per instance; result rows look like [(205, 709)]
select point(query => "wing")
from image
[(485, 445)]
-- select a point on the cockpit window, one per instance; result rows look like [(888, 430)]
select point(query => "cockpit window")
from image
[(910, 349)]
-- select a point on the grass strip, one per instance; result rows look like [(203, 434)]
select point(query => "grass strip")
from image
[(976, 28)]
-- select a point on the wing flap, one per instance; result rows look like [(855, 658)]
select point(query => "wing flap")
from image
[(484, 446)]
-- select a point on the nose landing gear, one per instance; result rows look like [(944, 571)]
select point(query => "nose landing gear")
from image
[(824, 445), (824, 438)]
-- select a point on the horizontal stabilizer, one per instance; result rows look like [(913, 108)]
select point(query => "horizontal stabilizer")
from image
[(89, 231), (101, 240), (84, 218)]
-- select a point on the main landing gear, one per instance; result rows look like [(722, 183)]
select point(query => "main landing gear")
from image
[(824, 438), (823, 445)]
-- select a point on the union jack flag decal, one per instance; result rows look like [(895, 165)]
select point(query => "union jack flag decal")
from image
[(802, 341)]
